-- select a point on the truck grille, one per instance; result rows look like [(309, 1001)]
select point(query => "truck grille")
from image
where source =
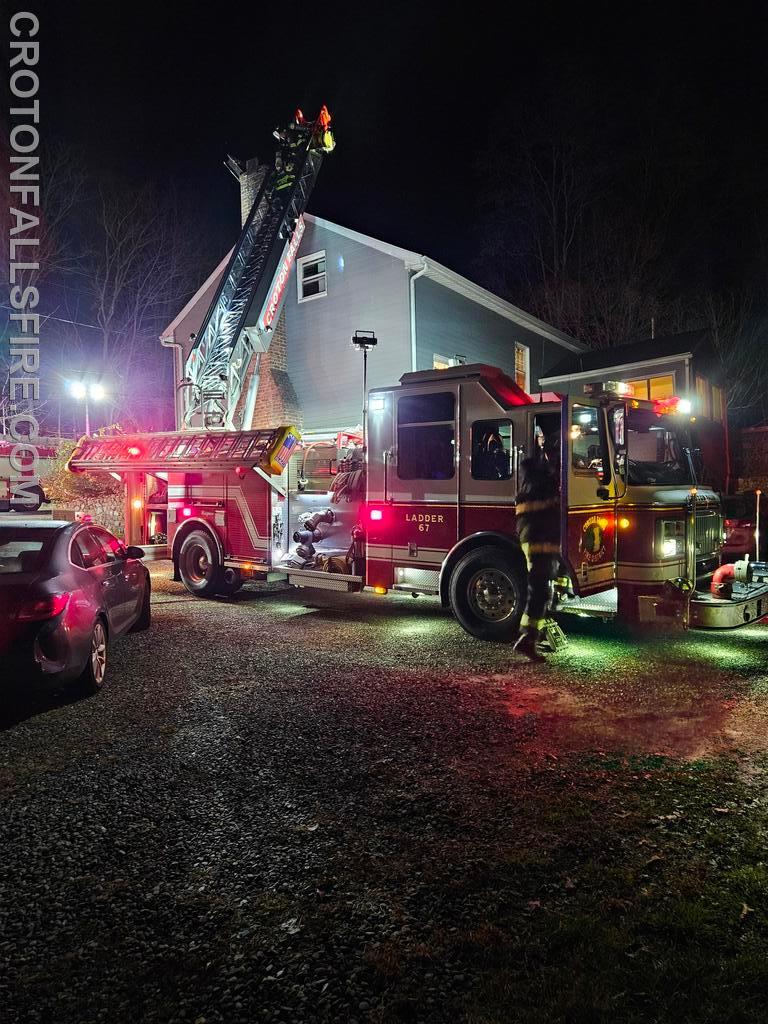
[(709, 533)]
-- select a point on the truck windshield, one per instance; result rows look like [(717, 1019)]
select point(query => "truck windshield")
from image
[(655, 449)]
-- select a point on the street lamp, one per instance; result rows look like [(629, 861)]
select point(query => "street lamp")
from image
[(82, 391)]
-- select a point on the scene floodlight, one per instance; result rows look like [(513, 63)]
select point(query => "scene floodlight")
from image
[(78, 389)]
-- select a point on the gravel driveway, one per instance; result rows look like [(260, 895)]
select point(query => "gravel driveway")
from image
[(305, 807)]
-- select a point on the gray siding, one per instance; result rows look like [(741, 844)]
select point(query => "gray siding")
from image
[(367, 290), (451, 324)]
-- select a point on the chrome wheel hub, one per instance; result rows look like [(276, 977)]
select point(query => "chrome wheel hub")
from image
[(98, 653), (492, 595)]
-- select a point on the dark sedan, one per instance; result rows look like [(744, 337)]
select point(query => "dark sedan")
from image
[(66, 591)]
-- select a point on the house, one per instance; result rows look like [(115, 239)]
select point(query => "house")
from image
[(424, 316), (684, 365)]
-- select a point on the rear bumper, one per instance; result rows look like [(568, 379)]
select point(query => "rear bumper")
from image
[(748, 604), (46, 653)]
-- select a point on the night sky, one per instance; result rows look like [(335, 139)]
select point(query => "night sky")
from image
[(418, 93)]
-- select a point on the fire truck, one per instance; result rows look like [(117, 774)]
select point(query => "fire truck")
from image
[(427, 506), (12, 497), (424, 502)]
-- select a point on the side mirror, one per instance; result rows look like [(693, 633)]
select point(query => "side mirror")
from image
[(604, 493), (133, 552)]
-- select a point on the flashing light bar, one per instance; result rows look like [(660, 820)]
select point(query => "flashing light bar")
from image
[(615, 388), (675, 405)]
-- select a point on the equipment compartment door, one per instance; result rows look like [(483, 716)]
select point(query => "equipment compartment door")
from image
[(589, 520)]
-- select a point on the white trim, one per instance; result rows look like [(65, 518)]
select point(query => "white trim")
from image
[(606, 371), (311, 258), (169, 331), (455, 282)]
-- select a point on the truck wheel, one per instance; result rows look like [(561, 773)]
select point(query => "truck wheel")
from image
[(487, 594), (199, 564)]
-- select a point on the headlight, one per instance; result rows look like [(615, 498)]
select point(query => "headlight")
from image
[(671, 540)]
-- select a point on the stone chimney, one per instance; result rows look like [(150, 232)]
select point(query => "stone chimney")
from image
[(276, 399)]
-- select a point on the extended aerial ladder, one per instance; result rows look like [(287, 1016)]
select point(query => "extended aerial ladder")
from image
[(245, 308)]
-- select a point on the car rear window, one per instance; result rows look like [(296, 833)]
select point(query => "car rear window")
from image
[(22, 550)]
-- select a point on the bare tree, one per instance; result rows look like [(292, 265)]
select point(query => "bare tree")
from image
[(142, 266)]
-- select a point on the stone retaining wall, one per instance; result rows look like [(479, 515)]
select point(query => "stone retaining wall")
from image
[(108, 511)]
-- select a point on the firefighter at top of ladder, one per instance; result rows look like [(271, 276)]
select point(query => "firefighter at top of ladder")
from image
[(290, 139)]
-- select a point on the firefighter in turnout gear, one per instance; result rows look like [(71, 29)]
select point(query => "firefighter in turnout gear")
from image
[(538, 527)]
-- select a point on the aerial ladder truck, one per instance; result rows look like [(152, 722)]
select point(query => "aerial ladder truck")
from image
[(243, 314), (425, 503)]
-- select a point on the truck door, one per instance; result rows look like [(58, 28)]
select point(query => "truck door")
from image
[(589, 495), (377, 514)]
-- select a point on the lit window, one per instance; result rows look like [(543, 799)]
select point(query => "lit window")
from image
[(312, 282), (661, 387), (522, 363), (703, 406), (718, 404)]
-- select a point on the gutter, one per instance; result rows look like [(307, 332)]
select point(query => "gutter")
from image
[(412, 307), (602, 370)]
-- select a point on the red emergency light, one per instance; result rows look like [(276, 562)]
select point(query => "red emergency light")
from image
[(675, 404), (134, 450), (186, 512), (375, 515)]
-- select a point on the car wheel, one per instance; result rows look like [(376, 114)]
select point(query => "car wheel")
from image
[(92, 679), (199, 564), (487, 594), (144, 620)]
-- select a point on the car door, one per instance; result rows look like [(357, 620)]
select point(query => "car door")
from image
[(127, 578), (88, 554)]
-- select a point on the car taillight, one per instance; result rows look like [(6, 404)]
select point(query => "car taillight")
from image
[(43, 607)]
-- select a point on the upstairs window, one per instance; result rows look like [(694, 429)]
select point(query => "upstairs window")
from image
[(312, 282), (522, 364), (426, 438)]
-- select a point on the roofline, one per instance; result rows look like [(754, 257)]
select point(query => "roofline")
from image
[(171, 328), (415, 262), (584, 374)]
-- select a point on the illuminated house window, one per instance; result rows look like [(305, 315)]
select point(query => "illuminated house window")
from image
[(703, 404), (654, 387), (718, 404), (522, 364), (312, 282)]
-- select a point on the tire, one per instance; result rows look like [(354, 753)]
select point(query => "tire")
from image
[(199, 564), (487, 594), (231, 586), (40, 497), (144, 620), (95, 671)]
